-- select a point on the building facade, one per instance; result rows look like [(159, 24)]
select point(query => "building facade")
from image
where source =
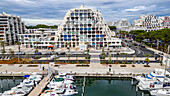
[(38, 38), (10, 28), (122, 24), (85, 25), (151, 22)]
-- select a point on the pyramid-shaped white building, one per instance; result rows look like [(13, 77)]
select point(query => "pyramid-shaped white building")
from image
[(85, 25)]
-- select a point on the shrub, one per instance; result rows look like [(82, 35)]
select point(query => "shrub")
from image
[(146, 65), (122, 65), (32, 66)]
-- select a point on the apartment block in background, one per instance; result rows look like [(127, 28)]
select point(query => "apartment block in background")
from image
[(10, 28)]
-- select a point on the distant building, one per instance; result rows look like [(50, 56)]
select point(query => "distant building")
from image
[(109, 23), (164, 21), (10, 28), (122, 24), (85, 25), (150, 23)]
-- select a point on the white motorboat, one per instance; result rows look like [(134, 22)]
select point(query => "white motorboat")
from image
[(14, 93), (50, 94), (160, 92), (65, 76), (154, 83), (28, 82), (22, 87), (55, 83), (69, 92), (157, 73), (66, 81), (35, 77)]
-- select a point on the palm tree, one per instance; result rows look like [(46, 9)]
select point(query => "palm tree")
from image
[(11, 52), (68, 44), (53, 45), (18, 43), (27, 56), (126, 57), (3, 45), (134, 59), (108, 49), (147, 58), (36, 46), (117, 56)]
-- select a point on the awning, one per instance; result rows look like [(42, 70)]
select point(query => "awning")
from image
[(50, 46)]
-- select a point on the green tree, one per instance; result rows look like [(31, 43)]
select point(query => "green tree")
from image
[(112, 27), (11, 52), (147, 58), (3, 46), (18, 43)]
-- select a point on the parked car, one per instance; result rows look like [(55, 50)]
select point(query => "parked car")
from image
[(21, 53), (72, 53), (49, 53), (54, 57), (62, 53), (142, 46), (37, 53)]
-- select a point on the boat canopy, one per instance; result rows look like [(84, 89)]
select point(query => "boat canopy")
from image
[(26, 76)]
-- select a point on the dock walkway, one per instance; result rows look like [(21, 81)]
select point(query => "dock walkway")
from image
[(39, 88)]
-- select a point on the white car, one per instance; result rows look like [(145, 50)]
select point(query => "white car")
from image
[(54, 57)]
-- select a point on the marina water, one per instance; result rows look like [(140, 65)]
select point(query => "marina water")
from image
[(93, 86)]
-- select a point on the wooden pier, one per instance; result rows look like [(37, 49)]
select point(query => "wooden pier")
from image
[(39, 88)]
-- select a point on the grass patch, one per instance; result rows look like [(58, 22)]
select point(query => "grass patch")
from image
[(146, 65), (122, 65), (32, 66)]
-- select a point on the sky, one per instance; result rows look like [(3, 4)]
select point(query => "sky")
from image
[(52, 12)]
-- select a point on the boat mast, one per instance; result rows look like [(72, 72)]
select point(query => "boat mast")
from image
[(166, 65)]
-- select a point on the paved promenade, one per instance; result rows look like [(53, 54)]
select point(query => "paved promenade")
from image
[(67, 68)]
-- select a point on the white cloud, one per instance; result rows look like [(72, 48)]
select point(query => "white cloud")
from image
[(46, 21), (137, 8)]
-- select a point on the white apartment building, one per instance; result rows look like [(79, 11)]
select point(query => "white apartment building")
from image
[(10, 28), (164, 21), (122, 24), (44, 37), (85, 25), (147, 23)]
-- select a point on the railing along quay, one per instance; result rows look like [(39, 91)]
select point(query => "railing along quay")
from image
[(107, 75)]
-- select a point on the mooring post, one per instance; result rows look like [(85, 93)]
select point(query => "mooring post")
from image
[(132, 81), (136, 88)]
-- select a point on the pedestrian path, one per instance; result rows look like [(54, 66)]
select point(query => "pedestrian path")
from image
[(39, 88), (95, 60)]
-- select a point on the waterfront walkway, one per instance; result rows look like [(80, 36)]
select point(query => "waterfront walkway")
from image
[(39, 88)]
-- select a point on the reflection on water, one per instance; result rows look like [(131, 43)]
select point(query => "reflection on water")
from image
[(6, 83), (107, 87)]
